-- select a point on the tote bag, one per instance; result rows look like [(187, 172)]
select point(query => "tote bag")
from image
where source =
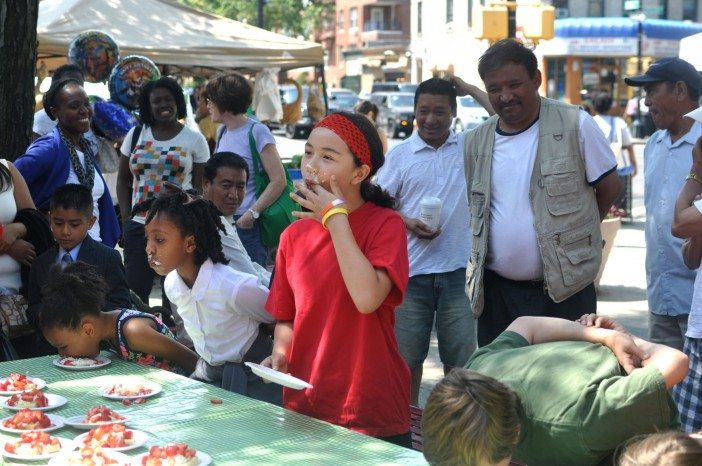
[(277, 216)]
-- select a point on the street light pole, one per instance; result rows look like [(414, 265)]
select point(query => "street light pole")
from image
[(638, 123), (260, 12)]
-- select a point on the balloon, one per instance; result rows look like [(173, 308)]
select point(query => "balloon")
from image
[(95, 53), (113, 120), (128, 77)]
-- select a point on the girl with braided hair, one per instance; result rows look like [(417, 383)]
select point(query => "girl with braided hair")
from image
[(340, 272), (221, 308)]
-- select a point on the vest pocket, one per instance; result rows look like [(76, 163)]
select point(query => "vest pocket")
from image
[(577, 254), (477, 212), (562, 193)]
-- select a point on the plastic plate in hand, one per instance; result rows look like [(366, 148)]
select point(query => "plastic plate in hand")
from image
[(278, 377)]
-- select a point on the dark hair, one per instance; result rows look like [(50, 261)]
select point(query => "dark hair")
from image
[(369, 191), (230, 92), (224, 159), (364, 107), (692, 92), (68, 70), (194, 215), (70, 294), (602, 102), (5, 178), (437, 86), (49, 99), (504, 52), (73, 196), (164, 82)]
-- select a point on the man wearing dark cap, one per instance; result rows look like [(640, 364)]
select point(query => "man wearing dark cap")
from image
[(672, 89)]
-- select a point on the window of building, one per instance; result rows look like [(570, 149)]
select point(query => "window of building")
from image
[(353, 18), (341, 23), (449, 11), (595, 8), (419, 17), (689, 10)]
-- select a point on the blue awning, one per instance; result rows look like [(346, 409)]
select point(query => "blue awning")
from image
[(624, 27)]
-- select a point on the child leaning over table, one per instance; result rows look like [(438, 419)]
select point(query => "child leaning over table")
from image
[(221, 308), (73, 322)]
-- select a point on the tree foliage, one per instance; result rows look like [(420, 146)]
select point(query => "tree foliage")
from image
[(290, 17)]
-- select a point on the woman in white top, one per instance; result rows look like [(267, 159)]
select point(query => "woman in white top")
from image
[(230, 95), (165, 150)]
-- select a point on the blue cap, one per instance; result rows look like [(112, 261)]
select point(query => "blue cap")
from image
[(671, 69)]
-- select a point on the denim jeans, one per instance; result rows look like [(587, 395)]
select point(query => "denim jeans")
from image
[(439, 296), (251, 239)]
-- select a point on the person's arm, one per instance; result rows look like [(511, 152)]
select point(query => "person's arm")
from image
[(142, 336), (198, 170), (383, 139), (282, 341), (125, 180), (687, 219), (692, 252), (480, 96), (420, 229), (367, 285), (672, 363), (606, 191), (632, 159), (276, 174), (13, 244), (249, 298)]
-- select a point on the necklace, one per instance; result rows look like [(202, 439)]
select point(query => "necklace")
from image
[(85, 175)]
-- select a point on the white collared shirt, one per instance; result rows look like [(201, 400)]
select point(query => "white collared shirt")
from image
[(221, 312)]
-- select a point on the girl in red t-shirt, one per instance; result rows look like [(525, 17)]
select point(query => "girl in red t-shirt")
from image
[(340, 272)]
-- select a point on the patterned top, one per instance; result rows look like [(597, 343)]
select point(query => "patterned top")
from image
[(152, 162), (139, 357)]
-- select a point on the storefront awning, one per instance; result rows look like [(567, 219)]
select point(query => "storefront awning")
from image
[(617, 37), (624, 27)]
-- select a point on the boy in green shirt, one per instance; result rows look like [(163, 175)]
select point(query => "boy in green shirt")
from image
[(552, 392)]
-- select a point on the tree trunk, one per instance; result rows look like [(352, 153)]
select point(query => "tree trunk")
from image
[(18, 54)]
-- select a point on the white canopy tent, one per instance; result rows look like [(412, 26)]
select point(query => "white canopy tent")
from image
[(690, 47), (169, 34)]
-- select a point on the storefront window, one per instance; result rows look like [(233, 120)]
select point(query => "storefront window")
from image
[(556, 78), (689, 10), (595, 8)]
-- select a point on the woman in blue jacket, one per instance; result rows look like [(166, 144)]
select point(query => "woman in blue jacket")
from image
[(64, 156)]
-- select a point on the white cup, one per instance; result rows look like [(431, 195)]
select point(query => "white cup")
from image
[(430, 211)]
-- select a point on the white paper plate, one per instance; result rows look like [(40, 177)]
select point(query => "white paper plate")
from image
[(77, 422), (66, 446), (54, 402), (56, 423), (155, 390), (63, 457), (278, 377), (40, 383), (100, 361), (203, 459), (139, 438)]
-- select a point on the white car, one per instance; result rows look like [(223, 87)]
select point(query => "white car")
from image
[(469, 113)]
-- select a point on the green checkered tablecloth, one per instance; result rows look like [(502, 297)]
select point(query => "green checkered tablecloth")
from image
[(237, 432)]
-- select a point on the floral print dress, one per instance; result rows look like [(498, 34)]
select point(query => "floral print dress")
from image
[(139, 357)]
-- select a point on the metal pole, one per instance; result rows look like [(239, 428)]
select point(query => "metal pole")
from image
[(260, 13), (639, 70)]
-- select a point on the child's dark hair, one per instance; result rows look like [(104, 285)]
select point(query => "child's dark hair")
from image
[(73, 196), (170, 85), (70, 294), (194, 215), (437, 86), (370, 191), (50, 96), (224, 159), (602, 102)]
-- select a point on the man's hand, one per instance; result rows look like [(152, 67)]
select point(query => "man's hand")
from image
[(625, 349), (276, 361), (420, 229), (593, 320), (462, 87)]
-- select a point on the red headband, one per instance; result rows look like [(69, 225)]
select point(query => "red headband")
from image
[(350, 134)]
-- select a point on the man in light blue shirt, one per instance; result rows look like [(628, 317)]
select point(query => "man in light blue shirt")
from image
[(672, 89)]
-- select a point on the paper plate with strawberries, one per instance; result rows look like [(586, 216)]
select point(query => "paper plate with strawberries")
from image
[(90, 456), (35, 446), (173, 454), (96, 416), (113, 437), (34, 399), (31, 420), (18, 383)]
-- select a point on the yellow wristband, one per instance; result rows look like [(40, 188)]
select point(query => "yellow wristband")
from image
[(694, 177), (331, 212)]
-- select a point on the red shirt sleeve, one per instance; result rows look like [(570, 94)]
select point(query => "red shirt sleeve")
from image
[(388, 251), (281, 301)]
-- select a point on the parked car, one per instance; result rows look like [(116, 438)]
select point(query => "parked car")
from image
[(341, 99), (395, 112), (394, 86), (469, 113), (303, 126)]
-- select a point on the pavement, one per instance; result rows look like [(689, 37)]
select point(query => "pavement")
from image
[(622, 290)]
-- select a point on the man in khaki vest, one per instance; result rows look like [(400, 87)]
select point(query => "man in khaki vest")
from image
[(540, 175)]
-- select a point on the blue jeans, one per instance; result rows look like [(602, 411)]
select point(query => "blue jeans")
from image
[(140, 276), (251, 239), (439, 296)]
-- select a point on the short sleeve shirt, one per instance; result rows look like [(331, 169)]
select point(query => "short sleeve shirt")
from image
[(578, 404), (154, 161), (237, 140), (352, 359)]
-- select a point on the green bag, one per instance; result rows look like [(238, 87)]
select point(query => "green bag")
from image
[(277, 216)]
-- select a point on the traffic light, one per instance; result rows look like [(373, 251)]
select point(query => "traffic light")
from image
[(537, 22), (490, 22)]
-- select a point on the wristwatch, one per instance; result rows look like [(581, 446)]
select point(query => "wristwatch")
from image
[(254, 214)]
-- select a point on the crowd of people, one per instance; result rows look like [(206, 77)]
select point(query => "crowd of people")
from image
[(361, 278)]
